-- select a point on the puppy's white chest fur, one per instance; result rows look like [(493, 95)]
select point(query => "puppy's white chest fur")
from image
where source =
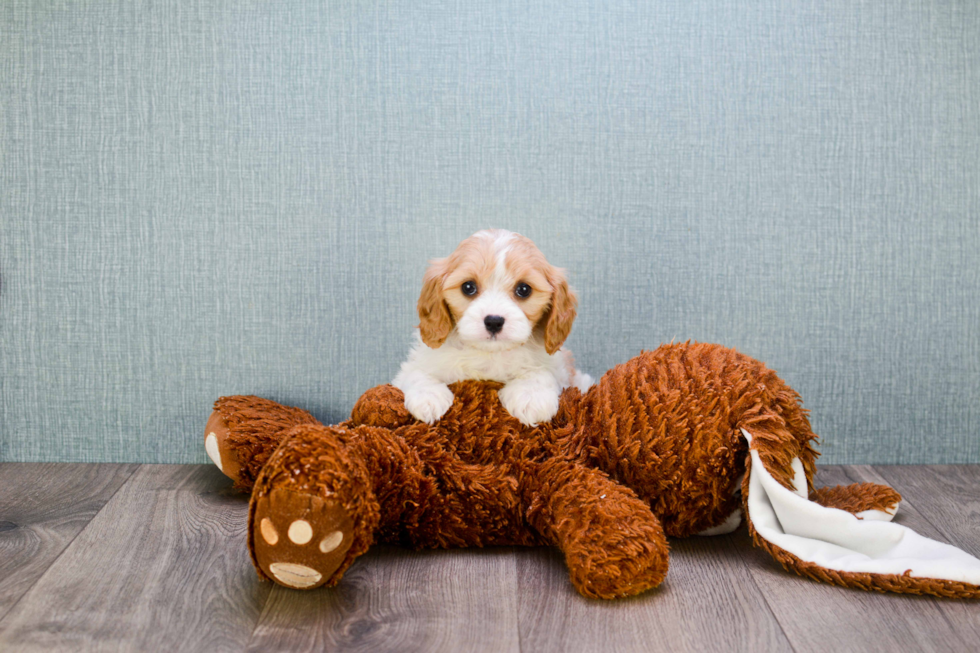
[(456, 361)]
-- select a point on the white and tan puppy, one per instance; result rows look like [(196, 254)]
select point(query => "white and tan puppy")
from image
[(494, 310)]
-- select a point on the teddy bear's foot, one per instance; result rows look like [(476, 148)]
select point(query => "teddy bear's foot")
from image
[(216, 444), (243, 431), (313, 508), (613, 543), (300, 540), (609, 560), (865, 500)]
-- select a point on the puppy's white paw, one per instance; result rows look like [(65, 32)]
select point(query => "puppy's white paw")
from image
[(428, 403), (582, 381), (530, 402)]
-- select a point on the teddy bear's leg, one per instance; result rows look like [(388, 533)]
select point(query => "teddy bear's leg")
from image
[(324, 496), (865, 500), (613, 543), (243, 431), (313, 509)]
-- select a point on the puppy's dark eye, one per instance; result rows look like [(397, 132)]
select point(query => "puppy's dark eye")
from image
[(468, 288), (522, 290)]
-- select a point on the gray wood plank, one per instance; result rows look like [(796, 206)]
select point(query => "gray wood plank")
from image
[(163, 566), (43, 506), (707, 603), (819, 617), (392, 599), (947, 495)]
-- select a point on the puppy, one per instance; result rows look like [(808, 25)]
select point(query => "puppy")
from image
[(495, 310)]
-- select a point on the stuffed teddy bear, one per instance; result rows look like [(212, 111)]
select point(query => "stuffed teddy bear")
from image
[(686, 439)]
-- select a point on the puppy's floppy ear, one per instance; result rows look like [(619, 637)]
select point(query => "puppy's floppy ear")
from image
[(558, 321), (435, 321)]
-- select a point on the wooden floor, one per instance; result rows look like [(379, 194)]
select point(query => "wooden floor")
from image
[(153, 558)]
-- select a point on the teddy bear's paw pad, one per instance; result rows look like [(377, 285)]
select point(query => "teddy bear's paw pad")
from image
[(300, 540), (293, 575), (216, 445)]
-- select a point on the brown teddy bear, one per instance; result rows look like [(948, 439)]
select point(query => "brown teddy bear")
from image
[(683, 440)]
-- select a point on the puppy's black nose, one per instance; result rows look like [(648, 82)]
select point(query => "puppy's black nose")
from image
[(494, 323)]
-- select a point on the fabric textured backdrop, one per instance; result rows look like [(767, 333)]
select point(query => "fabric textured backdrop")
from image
[(208, 198)]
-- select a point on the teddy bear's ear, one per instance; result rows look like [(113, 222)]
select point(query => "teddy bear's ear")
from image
[(558, 321), (435, 321)]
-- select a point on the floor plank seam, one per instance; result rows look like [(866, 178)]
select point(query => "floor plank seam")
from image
[(743, 531), (258, 620), (517, 601), (13, 606)]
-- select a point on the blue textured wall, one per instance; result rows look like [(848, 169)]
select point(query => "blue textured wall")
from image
[(207, 198)]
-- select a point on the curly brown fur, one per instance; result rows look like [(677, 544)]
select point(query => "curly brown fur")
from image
[(253, 428), (667, 424), (613, 544)]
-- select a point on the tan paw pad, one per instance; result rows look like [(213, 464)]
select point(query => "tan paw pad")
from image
[(269, 533), (300, 532), (294, 575), (331, 542)]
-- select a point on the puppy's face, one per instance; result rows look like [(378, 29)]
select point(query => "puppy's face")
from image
[(496, 289)]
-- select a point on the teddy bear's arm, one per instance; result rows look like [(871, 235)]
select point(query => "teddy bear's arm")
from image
[(384, 406)]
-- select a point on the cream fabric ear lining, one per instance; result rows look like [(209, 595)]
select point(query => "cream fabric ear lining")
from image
[(836, 539)]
